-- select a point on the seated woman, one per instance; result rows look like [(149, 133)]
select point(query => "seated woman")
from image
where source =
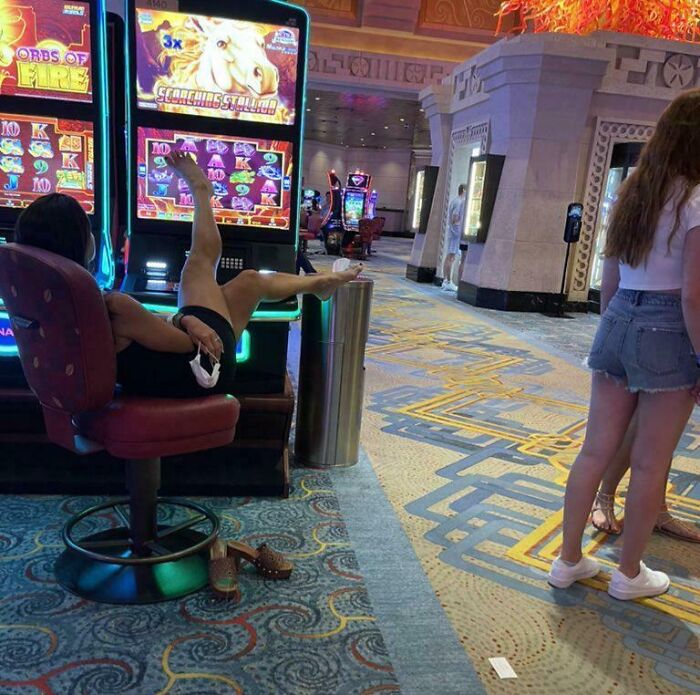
[(154, 356)]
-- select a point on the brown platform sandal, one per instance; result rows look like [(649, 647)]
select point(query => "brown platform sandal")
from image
[(605, 504), (676, 528), (223, 572), (267, 562)]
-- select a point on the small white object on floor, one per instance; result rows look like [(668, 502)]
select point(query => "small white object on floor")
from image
[(341, 264), (502, 668)]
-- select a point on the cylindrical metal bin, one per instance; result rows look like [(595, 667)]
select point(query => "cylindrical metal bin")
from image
[(332, 375)]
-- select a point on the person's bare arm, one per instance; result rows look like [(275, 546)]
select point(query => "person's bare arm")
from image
[(131, 321), (690, 291), (610, 282)]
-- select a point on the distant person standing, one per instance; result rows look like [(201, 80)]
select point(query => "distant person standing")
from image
[(455, 223)]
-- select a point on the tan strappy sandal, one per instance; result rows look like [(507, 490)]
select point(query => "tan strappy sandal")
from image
[(605, 504), (676, 528), (223, 572), (267, 562)]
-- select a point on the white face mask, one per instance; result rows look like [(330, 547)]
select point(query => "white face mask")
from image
[(203, 377)]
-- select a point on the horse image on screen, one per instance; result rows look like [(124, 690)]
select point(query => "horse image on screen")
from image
[(45, 50), (221, 68), (251, 178)]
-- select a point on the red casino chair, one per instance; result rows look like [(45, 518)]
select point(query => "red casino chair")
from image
[(141, 548)]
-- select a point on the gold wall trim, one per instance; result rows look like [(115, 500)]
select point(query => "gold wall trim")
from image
[(390, 42)]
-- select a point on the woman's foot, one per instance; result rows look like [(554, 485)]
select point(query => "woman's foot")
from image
[(187, 169), (563, 574), (646, 584), (603, 514), (669, 525), (330, 282)]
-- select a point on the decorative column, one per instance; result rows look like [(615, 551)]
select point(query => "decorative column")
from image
[(539, 90), (435, 101)]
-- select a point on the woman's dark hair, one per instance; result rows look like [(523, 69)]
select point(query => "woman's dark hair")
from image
[(56, 223)]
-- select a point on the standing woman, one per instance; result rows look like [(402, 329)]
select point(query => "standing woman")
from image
[(644, 355)]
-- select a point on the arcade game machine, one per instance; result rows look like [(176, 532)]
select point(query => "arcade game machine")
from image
[(372, 204), (54, 126), (224, 83), (622, 164), (332, 223), (311, 198), (355, 202)]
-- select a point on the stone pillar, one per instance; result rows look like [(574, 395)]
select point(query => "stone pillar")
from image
[(539, 89), (435, 101)]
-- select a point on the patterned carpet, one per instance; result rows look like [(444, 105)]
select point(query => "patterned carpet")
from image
[(313, 634), (412, 568), (484, 424)]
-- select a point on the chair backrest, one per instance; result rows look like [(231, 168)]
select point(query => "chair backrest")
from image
[(62, 329), (366, 227), (379, 223), (314, 223)]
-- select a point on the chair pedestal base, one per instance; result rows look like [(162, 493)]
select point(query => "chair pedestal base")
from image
[(133, 584)]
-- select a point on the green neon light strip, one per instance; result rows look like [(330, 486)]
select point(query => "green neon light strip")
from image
[(260, 315), (243, 350)]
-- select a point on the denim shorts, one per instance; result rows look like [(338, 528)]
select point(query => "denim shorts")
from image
[(642, 342)]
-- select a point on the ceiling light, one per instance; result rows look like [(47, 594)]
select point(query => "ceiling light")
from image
[(308, 109), (386, 127), (317, 98), (372, 133), (422, 110), (362, 139), (402, 119)]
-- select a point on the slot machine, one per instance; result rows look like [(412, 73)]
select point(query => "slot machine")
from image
[(224, 83), (355, 200), (372, 204), (54, 125)]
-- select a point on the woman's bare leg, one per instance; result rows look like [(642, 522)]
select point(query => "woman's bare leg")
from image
[(610, 412), (661, 420), (198, 284), (249, 288)]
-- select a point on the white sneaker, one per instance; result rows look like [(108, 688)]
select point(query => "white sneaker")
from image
[(562, 576), (646, 583)]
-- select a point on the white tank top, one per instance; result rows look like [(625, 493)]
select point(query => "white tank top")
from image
[(663, 269)]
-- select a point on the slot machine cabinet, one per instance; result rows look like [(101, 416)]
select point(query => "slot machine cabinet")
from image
[(355, 200), (242, 122), (54, 127)]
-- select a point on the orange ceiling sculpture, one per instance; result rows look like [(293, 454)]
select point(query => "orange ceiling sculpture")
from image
[(668, 19)]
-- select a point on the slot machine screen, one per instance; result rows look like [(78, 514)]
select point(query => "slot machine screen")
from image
[(40, 155), (354, 207), (213, 67), (45, 50), (251, 178)]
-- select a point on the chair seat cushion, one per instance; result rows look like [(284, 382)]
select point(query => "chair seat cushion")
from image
[(132, 427)]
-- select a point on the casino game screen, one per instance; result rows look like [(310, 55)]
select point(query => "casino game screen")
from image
[(251, 178), (45, 49), (219, 68), (40, 155)]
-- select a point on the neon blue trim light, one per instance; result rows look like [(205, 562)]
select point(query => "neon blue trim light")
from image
[(105, 263)]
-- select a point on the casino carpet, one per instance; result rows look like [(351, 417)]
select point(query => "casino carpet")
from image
[(471, 428), (413, 567)]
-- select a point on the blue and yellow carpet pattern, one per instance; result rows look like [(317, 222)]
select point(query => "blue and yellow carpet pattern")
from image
[(315, 633), (483, 425)]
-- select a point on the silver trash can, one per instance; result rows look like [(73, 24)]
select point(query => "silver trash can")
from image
[(332, 375)]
